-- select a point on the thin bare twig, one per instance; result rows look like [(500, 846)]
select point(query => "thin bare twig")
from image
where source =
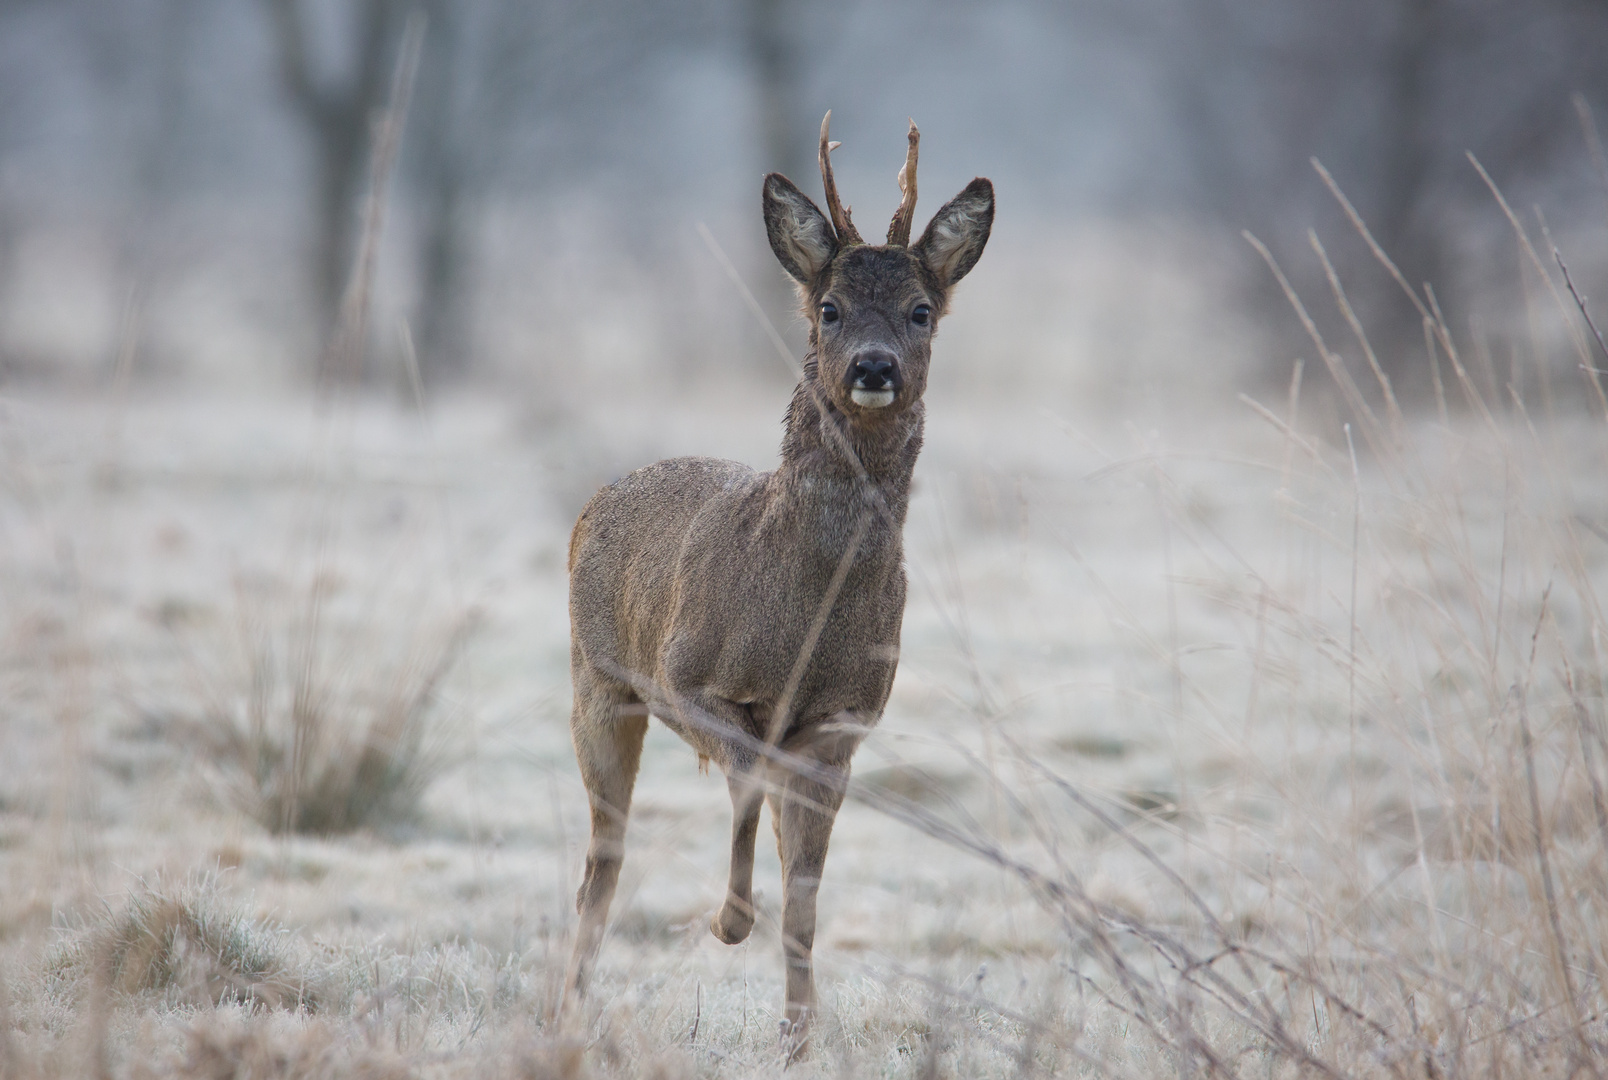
[(1580, 302), (1538, 833), (343, 360), (1588, 128), (1351, 631), (1337, 368), (1528, 248)]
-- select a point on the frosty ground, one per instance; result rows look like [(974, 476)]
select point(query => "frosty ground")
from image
[(1325, 719)]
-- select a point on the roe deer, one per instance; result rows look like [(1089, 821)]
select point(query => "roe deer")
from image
[(757, 614)]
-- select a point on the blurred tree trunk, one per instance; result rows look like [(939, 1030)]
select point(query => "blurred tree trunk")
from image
[(775, 60), (1405, 140), (1406, 221), (336, 115), (157, 173), (444, 158), (785, 134)]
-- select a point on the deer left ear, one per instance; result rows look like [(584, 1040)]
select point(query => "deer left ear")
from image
[(955, 237)]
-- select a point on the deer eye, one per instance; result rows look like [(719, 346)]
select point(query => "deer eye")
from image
[(829, 312), (921, 315)]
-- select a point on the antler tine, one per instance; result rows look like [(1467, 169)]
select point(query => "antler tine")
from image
[(846, 232), (899, 229)]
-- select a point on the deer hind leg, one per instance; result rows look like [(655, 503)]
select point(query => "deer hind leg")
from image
[(735, 918), (608, 725), (809, 806)]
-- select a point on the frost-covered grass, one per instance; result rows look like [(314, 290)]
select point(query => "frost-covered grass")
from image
[(1208, 754)]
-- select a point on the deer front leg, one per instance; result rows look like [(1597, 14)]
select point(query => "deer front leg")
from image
[(703, 716), (735, 918), (608, 728), (809, 805)]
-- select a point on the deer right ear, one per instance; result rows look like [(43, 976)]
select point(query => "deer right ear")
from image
[(799, 233)]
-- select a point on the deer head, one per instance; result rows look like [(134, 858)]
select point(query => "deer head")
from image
[(873, 309)]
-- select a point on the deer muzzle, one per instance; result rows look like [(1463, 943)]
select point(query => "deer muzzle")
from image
[(874, 379)]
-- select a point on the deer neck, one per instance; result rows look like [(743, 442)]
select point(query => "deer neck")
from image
[(836, 457)]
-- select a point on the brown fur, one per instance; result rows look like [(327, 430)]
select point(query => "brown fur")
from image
[(757, 614)]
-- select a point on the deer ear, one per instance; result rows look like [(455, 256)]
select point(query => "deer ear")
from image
[(799, 233), (956, 235)]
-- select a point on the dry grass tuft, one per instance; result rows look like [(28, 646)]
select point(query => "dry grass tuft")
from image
[(250, 1048), (270, 1047), (535, 1060), (183, 943), (301, 754)]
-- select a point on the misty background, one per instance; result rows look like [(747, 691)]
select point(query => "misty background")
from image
[(182, 183)]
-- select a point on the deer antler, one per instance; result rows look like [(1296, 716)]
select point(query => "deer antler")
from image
[(846, 232), (899, 230)]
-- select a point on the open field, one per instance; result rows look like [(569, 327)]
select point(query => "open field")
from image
[(1208, 754), (1243, 736)]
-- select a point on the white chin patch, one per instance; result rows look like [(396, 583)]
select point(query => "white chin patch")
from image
[(871, 399)]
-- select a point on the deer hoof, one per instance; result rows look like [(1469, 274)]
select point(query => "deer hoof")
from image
[(731, 925)]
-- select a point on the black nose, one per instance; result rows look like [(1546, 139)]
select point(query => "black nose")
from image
[(874, 369)]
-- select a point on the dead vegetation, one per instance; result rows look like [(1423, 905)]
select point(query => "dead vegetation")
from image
[(186, 946), (299, 752)]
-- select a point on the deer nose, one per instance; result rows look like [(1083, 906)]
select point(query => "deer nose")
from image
[(874, 369)]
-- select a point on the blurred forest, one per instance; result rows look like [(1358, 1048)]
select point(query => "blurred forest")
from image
[(182, 182)]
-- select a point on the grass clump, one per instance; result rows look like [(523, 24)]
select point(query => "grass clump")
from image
[(222, 1047), (302, 753), (183, 943), (279, 1047)]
